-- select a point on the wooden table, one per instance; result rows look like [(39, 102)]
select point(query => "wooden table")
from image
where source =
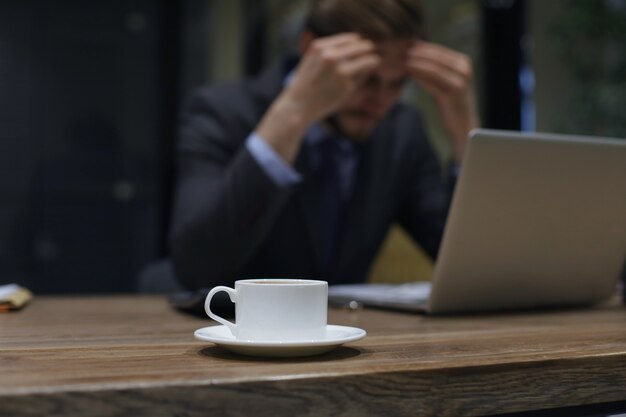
[(134, 356)]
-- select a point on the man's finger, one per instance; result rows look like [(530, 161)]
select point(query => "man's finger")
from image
[(439, 79), (336, 40), (342, 51), (446, 58), (360, 67), (354, 49)]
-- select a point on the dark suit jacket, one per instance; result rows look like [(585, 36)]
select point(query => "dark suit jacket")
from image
[(231, 221)]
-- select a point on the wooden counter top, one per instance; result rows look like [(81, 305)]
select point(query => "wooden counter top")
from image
[(133, 355)]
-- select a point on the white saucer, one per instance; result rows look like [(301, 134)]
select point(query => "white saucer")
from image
[(335, 337)]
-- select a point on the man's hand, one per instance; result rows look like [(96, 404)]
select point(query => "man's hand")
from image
[(447, 76), (329, 71)]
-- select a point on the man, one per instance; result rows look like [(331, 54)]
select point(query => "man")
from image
[(301, 172)]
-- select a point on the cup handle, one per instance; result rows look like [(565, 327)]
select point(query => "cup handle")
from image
[(207, 306)]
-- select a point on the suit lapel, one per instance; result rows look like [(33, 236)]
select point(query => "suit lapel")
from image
[(355, 217), (309, 205), (354, 226)]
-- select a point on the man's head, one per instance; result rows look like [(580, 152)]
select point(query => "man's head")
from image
[(378, 20), (392, 25)]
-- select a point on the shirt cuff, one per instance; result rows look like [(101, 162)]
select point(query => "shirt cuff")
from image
[(274, 166)]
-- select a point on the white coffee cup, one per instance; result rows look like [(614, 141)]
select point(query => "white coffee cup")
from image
[(275, 309)]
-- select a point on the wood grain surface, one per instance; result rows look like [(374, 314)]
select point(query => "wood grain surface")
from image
[(135, 356)]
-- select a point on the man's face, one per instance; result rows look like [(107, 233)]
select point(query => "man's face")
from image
[(364, 109)]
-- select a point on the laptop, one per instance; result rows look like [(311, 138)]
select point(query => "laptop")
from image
[(536, 221)]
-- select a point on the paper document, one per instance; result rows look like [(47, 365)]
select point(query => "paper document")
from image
[(8, 290), (13, 297)]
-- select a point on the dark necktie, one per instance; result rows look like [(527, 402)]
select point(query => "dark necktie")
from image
[(331, 201)]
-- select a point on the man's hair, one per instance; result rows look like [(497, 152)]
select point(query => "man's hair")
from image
[(375, 19)]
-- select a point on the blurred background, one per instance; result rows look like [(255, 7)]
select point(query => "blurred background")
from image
[(90, 93)]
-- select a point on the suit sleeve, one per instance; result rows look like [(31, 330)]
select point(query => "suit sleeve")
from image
[(224, 202)]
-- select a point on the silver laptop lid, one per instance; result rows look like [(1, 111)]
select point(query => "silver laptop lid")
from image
[(537, 220)]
